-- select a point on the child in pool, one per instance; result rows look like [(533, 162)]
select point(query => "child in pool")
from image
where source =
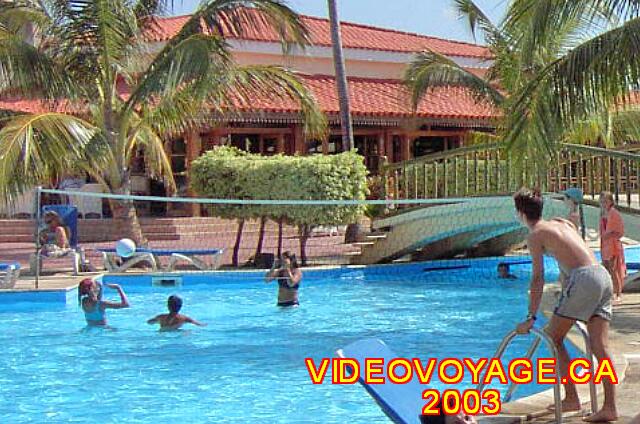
[(173, 320), (94, 308)]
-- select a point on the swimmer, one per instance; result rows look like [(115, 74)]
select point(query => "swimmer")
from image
[(288, 275), (503, 272), (90, 298), (173, 320)]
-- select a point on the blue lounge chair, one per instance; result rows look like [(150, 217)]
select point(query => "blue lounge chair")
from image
[(402, 403), (152, 256), (69, 216), (9, 273)]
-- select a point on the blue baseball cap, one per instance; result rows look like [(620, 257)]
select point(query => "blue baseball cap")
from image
[(574, 193)]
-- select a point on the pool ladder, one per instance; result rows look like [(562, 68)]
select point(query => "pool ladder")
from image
[(541, 335)]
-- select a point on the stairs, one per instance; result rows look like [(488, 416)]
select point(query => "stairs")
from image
[(155, 229)]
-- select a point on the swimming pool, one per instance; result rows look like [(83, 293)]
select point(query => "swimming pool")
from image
[(248, 364)]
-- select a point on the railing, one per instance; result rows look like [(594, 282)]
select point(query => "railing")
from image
[(541, 335), (490, 169)]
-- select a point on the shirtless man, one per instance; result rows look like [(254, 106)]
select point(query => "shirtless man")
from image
[(173, 320), (586, 296)]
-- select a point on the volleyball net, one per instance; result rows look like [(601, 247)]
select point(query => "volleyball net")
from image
[(252, 234)]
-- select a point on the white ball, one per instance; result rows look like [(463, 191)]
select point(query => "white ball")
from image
[(125, 248)]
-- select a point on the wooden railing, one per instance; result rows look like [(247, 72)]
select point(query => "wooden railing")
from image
[(491, 170)]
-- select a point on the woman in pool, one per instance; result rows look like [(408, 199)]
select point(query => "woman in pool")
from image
[(90, 298), (288, 274), (611, 231)]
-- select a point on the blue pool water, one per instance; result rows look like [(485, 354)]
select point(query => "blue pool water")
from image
[(248, 364)]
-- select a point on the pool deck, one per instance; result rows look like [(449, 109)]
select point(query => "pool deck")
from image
[(624, 345)]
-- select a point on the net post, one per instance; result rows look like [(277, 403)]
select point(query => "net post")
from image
[(38, 206)]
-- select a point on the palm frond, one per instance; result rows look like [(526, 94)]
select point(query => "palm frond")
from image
[(144, 9), (194, 58), (155, 155), (429, 70), (598, 73), (97, 35), (532, 121), (537, 21), (246, 83), (477, 19), (30, 73), (33, 148), (238, 18), (18, 14)]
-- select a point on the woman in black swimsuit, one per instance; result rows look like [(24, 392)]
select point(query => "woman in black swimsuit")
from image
[(288, 275)]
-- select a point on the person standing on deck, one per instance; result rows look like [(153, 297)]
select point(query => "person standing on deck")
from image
[(611, 250), (573, 199), (586, 295)]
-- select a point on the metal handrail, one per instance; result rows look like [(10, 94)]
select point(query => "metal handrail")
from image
[(582, 329), (542, 335)]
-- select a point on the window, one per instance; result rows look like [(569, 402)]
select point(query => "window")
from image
[(314, 146)]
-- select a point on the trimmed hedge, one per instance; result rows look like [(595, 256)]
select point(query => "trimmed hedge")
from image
[(229, 173)]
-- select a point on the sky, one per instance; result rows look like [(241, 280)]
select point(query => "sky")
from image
[(428, 17)]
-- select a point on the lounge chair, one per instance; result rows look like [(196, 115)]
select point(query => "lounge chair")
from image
[(152, 256), (115, 263), (9, 273), (402, 403), (69, 216)]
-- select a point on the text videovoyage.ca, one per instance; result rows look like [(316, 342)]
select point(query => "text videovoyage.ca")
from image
[(453, 371)]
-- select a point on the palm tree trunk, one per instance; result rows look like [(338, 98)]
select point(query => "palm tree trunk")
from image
[(279, 237), (303, 231), (236, 247), (263, 222), (125, 217), (341, 77)]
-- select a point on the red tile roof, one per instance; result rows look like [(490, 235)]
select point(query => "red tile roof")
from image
[(369, 97), (382, 98), (356, 36)]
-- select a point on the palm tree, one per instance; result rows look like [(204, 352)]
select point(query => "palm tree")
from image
[(90, 58), (341, 77), (514, 72), (596, 73)]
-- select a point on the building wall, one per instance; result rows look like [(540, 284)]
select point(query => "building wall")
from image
[(324, 66)]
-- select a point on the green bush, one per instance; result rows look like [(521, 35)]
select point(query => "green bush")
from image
[(228, 173)]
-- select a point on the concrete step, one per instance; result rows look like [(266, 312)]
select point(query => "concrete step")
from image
[(16, 238), (363, 243)]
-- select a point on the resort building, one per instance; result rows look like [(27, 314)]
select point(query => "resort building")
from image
[(384, 122)]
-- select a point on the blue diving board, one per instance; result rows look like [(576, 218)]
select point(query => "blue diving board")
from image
[(402, 403)]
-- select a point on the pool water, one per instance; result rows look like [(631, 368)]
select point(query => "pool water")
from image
[(247, 365)]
